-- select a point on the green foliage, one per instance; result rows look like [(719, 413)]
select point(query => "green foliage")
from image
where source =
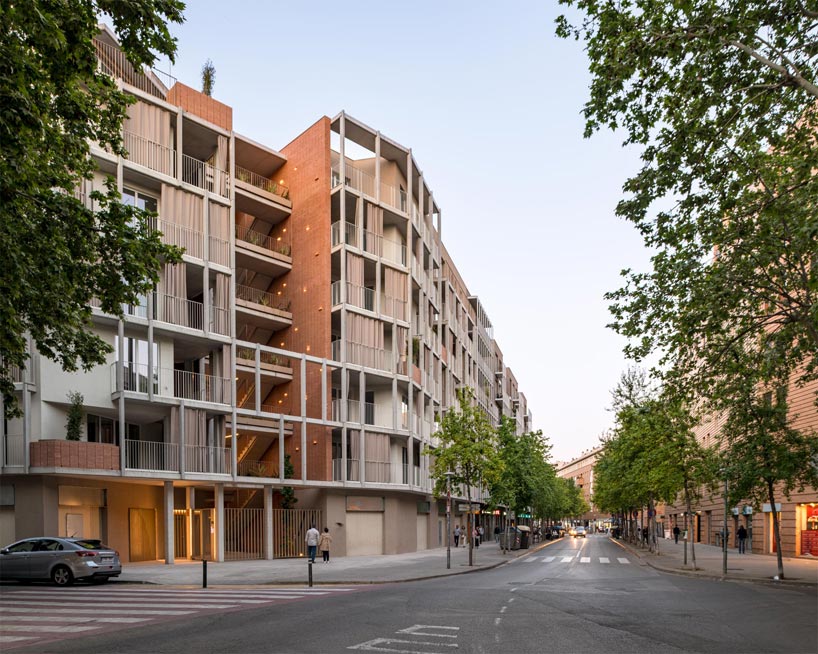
[(208, 77), (527, 478), (721, 100), (572, 503), (288, 498), (73, 426), (467, 446), (57, 253)]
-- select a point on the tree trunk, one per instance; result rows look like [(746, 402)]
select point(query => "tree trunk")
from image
[(689, 529), (776, 530)]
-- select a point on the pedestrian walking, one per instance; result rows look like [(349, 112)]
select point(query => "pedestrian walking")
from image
[(480, 533), (742, 539), (312, 542), (476, 535), (457, 536), (324, 543), (497, 534), (676, 532)]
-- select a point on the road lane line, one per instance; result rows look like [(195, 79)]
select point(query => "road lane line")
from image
[(548, 559), (567, 559), (603, 559), (623, 560), (46, 629), (585, 559)]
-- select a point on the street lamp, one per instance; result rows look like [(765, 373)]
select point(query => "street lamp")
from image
[(449, 476)]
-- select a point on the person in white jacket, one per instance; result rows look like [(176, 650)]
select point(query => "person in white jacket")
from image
[(312, 542)]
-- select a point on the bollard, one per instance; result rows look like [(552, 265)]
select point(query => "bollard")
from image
[(204, 573), (309, 573)]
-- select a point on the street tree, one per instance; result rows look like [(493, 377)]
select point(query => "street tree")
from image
[(721, 100), (57, 253), (763, 452), (466, 447)]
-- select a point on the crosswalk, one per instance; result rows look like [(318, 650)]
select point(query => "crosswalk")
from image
[(31, 615), (574, 559)]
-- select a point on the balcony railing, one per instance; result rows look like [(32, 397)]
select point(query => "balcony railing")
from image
[(204, 459), (150, 154), (249, 353), (186, 385), (262, 298), (365, 355), (150, 455), (204, 176), (113, 62), (248, 468), (244, 175), (178, 311), (360, 296), (394, 251), (190, 239), (393, 307), (372, 243), (219, 320), (352, 470), (219, 251), (353, 410), (15, 453), (280, 244)]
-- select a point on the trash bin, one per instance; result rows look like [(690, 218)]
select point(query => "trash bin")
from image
[(510, 539), (525, 536)]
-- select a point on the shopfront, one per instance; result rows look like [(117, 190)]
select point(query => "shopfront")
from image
[(807, 521)]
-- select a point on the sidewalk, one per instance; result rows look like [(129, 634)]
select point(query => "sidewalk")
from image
[(380, 569), (740, 567)]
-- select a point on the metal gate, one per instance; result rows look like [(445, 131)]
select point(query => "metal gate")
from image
[(180, 529), (289, 530), (243, 534)]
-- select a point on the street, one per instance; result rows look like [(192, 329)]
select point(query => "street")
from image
[(576, 595)]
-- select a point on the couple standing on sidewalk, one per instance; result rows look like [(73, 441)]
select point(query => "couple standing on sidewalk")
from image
[(318, 541)]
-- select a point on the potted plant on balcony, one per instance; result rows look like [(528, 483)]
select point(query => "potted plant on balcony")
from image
[(73, 427)]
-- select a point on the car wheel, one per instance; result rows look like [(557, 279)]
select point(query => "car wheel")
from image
[(62, 576)]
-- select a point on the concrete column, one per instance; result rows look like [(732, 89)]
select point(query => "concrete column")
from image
[(182, 438), (120, 383), (170, 558), (219, 508), (268, 523), (303, 417)]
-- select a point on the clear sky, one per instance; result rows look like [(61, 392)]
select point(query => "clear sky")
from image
[(490, 102)]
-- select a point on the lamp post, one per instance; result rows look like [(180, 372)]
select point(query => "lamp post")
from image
[(449, 476)]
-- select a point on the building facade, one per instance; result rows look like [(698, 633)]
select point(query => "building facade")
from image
[(581, 471), (291, 370)]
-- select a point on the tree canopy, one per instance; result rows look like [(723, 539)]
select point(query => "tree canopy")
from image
[(58, 253), (721, 100)]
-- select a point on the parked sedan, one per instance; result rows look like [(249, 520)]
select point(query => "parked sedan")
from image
[(62, 560)]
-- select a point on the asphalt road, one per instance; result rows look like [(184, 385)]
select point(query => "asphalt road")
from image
[(585, 595)]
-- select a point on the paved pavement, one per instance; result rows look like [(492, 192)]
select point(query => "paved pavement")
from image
[(432, 563), (740, 567)]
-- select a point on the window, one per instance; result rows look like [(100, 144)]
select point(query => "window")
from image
[(135, 359)]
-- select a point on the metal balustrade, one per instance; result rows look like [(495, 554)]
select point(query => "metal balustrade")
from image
[(256, 296), (151, 455), (394, 251), (15, 452), (254, 179), (372, 243), (280, 244), (191, 240), (207, 459), (204, 388), (249, 353), (219, 251), (178, 311), (112, 61), (150, 154), (247, 468), (204, 176)]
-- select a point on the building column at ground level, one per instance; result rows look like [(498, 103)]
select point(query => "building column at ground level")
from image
[(268, 523), (220, 526), (169, 531), (190, 503)]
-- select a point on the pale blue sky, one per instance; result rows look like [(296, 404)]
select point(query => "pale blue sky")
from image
[(489, 101)]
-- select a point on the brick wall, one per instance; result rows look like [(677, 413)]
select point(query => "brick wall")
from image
[(74, 454), (201, 105)]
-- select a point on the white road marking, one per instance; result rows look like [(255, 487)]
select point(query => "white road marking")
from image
[(15, 639), (12, 609), (511, 599), (585, 559), (415, 630), (46, 629), (43, 604), (530, 559), (372, 646), (497, 621), (567, 559), (503, 609), (603, 559), (69, 618), (548, 559), (150, 601), (623, 560)]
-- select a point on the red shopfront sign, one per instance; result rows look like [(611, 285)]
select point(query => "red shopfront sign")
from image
[(809, 536)]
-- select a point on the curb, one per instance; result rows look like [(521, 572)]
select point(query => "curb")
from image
[(704, 574)]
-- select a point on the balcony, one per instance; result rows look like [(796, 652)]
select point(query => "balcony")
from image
[(208, 460), (14, 450), (205, 176), (357, 179), (279, 245), (276, 302), (393, 307), (259, 182), (362, 355), (113, 62), (167, 382), (151, 455), (150, 154), (178, 311), (73, 454)]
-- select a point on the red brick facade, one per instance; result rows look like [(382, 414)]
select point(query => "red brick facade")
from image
[(74, 454)]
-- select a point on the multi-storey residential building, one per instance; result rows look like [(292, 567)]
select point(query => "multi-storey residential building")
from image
[(310, 340), (581, 470)]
